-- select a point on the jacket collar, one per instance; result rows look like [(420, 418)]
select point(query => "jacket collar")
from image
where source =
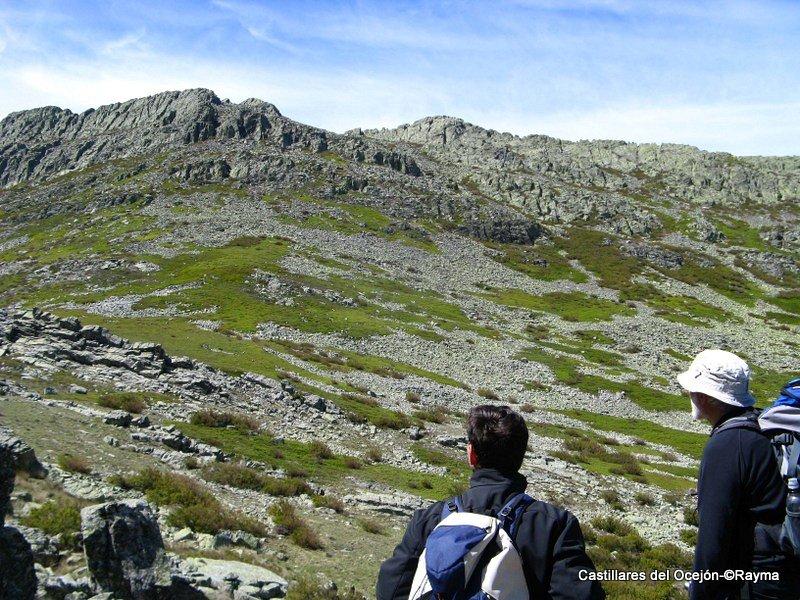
[(481, 477)]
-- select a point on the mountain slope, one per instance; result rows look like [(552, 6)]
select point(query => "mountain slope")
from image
[(394, 278)]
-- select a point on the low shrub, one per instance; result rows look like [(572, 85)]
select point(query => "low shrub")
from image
[(74, 463), (488, 394), (56, 518), (240, 476), (435, 415), (373, 454), (351, 462), (218, 418), (689, 536), (366, 400), (613, 499), (291, 524), (305, 589), (328, 501), (612, 525), (320, 450), (413, 397), (644, 499), (691, 516), (194, 505), (372, 526), (128, 401)]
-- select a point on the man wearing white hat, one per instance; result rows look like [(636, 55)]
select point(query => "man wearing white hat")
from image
[(741, 495)]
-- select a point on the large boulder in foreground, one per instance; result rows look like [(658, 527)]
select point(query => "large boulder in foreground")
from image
[(124, 549), (17, 575)]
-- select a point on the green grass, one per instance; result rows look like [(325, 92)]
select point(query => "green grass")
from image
[(353, 219), (566, 371), (739, 233), (192, 505), (298, 456), (685, 442), (570, 306), (539, 261)]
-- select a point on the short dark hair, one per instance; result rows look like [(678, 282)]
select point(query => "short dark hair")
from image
[(498, 436)]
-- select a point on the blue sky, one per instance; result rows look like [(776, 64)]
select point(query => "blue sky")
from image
[(718, 75)]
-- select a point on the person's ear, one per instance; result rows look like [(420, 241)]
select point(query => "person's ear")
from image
[(472, 457)]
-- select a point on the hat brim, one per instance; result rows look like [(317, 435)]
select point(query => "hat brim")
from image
[(690, 383)]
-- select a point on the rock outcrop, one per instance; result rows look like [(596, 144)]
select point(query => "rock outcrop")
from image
[(124, 550), (17, 574), (125, 555)]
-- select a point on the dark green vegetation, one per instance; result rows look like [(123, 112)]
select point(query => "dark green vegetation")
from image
[(298, 457), (240, 476), (573, 306), (606, 456), (685, 442), (191, 504), (565, 368), (57, 517), (614, 544), (306, 589), (291, 524)]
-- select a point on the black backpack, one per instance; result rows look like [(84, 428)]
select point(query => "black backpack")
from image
[(781, 424)]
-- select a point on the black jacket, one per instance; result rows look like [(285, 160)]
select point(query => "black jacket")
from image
[(549, 540), (739, 486)]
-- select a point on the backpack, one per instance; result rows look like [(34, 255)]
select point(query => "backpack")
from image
[(469, 556), (781, 423)]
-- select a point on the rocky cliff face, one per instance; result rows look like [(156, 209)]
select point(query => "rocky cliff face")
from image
[(289, 324)]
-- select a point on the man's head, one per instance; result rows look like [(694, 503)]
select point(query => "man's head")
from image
[(498, 438), (717, 382)]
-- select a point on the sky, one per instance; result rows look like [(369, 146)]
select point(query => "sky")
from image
[(722, 76)]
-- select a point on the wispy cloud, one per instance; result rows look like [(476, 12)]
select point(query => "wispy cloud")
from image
[(719, 74)]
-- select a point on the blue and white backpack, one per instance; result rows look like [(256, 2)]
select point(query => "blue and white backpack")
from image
[(781, 423), (469, 556)]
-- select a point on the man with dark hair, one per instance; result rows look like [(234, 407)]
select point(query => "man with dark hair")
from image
[(549, 540), (741, 494)]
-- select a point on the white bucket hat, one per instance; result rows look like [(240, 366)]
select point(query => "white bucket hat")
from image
[(721, 375)]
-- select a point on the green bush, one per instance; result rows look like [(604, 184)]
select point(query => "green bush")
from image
[(689, 536), (292, 524), (328, 501), (435, 415), (217, 418), (54, 518), (193, 505), (131, 402), (240, 476), (320, 450), (488, 394), (644, 499), (306, 589), (691, 516), (413, 397)]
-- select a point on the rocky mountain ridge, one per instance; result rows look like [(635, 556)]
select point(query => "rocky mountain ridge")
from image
[(288, 324)]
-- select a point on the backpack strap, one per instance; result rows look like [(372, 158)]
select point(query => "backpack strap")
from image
[(792, 454), (747, 421), (509, 515), (451, 506)]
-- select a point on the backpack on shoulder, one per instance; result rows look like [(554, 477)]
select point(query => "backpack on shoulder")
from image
[(470, 556), (781, 423)]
